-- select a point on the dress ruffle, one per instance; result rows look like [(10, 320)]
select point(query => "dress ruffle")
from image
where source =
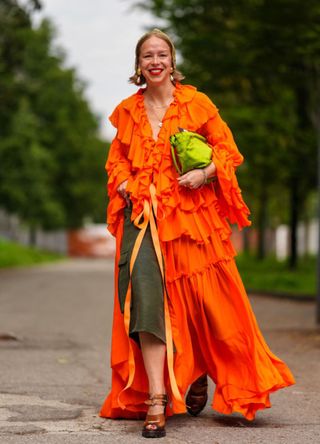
[(214, 331), (213, 327), (196, 214)]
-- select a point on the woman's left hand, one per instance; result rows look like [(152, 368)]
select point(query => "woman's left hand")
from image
[(192, 179)]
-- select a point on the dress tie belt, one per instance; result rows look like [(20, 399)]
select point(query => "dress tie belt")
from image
[(147, 216)]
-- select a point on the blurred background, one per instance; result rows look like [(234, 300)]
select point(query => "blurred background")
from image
[(64, 67)]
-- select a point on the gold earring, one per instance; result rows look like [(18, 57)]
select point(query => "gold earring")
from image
[(171, 75), (139, 75)]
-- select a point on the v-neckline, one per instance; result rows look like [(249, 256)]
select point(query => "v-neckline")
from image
[(163, 118)]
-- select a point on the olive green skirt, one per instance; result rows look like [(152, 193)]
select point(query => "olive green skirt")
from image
[(147, 310)]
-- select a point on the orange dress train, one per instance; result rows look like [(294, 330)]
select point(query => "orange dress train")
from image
[(213, 328)]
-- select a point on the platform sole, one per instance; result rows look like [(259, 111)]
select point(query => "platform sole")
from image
[(153, 433)]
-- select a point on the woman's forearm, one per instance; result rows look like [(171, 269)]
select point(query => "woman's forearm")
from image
[(210, 170)]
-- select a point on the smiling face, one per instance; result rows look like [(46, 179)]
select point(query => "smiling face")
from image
[(155, 61)]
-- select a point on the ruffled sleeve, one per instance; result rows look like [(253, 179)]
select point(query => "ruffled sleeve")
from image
[(118, 168), (227, 158)]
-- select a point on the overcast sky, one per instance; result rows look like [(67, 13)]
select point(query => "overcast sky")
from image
[(99, 37)]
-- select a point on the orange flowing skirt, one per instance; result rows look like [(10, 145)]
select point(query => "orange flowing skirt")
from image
[(217, 329), (214, 331)]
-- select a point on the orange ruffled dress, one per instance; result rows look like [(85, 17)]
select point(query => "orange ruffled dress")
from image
[(213, 328)]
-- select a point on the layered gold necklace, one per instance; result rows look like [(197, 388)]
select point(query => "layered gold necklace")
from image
[(153, 110)]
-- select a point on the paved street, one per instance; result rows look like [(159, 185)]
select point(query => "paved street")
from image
[(55, 374)]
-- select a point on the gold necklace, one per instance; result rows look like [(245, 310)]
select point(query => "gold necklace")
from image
[(153, 110), (159, 119), (153, 104), (158, 107)]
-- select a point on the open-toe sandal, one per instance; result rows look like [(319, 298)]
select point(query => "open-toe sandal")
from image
[(197, 396), (154, 425)]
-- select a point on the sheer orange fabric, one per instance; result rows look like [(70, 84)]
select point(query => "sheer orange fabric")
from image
[(211, 321)]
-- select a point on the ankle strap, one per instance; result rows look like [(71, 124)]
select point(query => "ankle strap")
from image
[(157, 399)]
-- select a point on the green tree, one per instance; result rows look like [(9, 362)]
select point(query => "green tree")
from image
[(26, 167), (259, 60), (47, 127), (15, 26), (68, 128), (288, 37)]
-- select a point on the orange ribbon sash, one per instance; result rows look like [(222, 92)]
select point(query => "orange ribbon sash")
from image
[(147, 216)]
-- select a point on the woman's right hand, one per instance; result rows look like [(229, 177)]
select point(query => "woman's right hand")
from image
[(122, 191)]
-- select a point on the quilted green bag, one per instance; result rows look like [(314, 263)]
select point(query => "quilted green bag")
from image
[(189, 151)]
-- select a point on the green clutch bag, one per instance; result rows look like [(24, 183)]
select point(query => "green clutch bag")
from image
[(189, 151)]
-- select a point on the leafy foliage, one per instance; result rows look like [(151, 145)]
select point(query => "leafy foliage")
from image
[(259, 61), (51, 157)]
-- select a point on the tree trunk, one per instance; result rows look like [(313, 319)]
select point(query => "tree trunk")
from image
[(245, 241), (318, 257), (296, 193), (32, 236), (262, 224), (294, 209)]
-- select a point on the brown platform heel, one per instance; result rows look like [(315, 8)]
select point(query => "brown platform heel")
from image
[(197, 396), (154, 425)]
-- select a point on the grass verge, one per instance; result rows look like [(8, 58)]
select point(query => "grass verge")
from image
[(275, 277), (13, 254)]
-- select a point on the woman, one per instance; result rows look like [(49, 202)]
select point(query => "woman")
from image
[(180, 309)]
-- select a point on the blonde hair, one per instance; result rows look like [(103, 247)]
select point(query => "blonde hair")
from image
[(139, 79)]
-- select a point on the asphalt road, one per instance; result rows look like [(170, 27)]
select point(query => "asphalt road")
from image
[(54, 371)]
